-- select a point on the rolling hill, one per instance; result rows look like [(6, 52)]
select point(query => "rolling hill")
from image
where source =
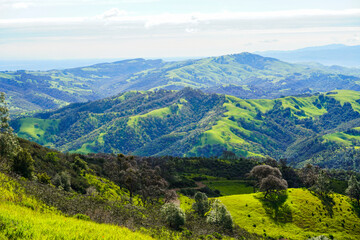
[(301, 216), (319, 128), (242, 75)]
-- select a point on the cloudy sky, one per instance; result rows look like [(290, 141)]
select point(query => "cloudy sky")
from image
[(80, 29)]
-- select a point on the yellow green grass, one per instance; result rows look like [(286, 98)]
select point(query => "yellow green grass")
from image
[(22, 217), (23, 223), (310, 217)]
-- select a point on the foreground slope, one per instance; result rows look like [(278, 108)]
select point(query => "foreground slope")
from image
[(23, 217), (244, 75), (303, 215), (192, 123)]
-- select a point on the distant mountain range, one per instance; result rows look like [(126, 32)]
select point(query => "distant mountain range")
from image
[(321, 128), (243, 75), (334, 54)]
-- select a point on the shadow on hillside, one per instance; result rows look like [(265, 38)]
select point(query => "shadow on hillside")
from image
[(327, 201), (276, 208), (356, 207)]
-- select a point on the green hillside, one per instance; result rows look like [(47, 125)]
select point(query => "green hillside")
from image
[(301, 216), (192, 123), (24, 217), (243, 75)]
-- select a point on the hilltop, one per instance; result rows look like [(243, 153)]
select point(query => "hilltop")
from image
[(301, 216), (192, 123), (243, 75)]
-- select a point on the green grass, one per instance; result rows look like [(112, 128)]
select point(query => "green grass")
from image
[(19, 222), (23, 217), (230, 187), (161, 112), (341, 137), (37, 130), (309, 217)]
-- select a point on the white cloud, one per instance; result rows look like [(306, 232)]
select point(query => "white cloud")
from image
[(20, 5), (177, 34), (112, 13)]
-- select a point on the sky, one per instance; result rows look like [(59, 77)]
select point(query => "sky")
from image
[(88, 29)]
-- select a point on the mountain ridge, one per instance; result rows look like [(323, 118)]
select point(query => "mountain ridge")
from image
[(244, 75)]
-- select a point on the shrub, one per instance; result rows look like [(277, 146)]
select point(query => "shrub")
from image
[(62, 181), (82, 217), (44, 178), (23, 164), (173, 215), (201, 205), (220, 215)]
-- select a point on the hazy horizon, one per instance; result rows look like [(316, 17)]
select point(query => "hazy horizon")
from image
[(95, 29)]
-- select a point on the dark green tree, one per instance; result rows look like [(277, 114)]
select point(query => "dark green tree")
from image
[(201, 205), (353, 190), (9, 146), (173, 215), (322, 185), (23, 164)]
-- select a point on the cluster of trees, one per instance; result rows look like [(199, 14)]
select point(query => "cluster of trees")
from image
[(137, 176), (12, 156), (210, 211)]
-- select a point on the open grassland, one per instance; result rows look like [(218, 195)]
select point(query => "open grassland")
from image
[(37, 129), (23, 217), (230, 187), (301, 216)]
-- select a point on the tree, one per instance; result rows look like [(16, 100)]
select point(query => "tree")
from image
[(353, 190), (23, 164), (62, 181), (152, 185), (269, 179), (322, 185), (173, 215), (201, 205), (309, 175), (220, 215), (9, 145), (272, 184)]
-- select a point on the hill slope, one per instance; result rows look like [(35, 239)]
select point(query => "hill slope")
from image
[(23, 217), (192, 123), (243, 75), (302, 215)]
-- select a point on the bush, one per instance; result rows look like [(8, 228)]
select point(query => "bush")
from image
[(220, 215), (201, 205), (44, 178), (23, 164), (173, 215), (62, 181)]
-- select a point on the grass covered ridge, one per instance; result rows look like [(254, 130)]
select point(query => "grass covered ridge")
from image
[(306, 216)]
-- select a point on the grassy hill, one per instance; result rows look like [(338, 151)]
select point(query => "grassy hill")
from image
[(24, 217), (192, 123), (302, 215), (243, 75)]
